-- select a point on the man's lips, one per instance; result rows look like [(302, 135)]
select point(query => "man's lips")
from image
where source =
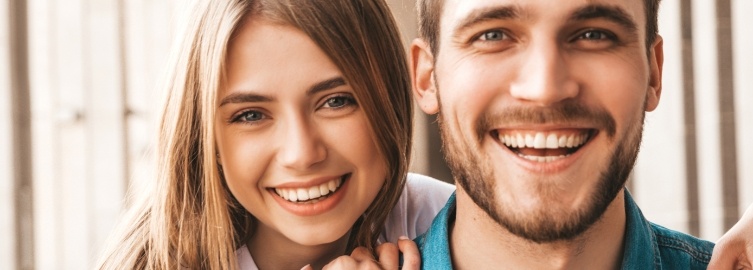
[(544, 146)]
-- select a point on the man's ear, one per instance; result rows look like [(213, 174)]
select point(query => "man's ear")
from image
[(422, 74), (656, 61)]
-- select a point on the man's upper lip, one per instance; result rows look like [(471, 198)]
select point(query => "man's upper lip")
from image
[(543, 127), (305, 183)]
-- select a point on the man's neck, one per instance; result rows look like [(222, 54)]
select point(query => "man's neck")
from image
[(272, 250), (478, 242)]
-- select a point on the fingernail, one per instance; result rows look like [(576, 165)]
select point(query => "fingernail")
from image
[(307, 267), (403, 237)]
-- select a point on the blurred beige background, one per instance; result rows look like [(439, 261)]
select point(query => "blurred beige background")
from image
[(78, 100)]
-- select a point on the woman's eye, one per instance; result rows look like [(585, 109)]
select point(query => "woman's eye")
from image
[(493, 35), (339, 102), (249, 116)]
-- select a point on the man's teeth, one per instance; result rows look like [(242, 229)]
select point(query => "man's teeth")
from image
[(311, 193), (541, 140), (542, 158)]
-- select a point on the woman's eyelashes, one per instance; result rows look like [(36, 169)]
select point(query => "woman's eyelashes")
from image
[(339, 101), (250, 116), (332, 105)]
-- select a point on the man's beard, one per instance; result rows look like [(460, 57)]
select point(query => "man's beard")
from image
[(475, 173)]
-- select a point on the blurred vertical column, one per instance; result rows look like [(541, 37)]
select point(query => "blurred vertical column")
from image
[(17, 227), (59, 85), (78, 119), (717, 158), (727, 118), (659, 183), (47, 208), (689, 110), (743, 85), (106, 119), (708, 44), (7, 204), (147, 32)]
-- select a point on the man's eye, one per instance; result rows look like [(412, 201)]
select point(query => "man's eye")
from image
[(493, 35), (595, 35)]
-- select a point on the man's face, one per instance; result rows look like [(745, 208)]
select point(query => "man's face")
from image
[(541, 105)]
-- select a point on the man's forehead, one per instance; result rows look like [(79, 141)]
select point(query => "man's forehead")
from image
[(456, 12)]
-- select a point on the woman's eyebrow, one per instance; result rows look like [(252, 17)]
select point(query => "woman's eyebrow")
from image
[(326, 85), (249, 96), (243, 97)]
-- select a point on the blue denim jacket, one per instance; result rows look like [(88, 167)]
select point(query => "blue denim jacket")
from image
[(647, 245)]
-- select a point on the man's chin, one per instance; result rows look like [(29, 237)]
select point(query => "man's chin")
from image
[(479, 177), (547, 222)]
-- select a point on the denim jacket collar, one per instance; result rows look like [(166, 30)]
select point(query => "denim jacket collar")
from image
[(641, 245), (641, 249)]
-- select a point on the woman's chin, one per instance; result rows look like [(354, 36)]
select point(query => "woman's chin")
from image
[(325, 234)]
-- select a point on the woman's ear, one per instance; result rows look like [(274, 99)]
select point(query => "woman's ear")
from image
[(656, 61), (422, 74)]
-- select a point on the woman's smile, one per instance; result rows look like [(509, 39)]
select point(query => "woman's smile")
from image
[(314, 200)]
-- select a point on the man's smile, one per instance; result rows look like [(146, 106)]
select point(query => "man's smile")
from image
[(544, 145)]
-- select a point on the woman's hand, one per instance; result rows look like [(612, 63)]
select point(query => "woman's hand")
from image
[(388, 254), (735, 249)]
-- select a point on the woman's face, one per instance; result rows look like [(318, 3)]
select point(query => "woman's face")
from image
[(295, 147)]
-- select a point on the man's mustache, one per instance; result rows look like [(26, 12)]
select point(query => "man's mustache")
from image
[(563, 113)]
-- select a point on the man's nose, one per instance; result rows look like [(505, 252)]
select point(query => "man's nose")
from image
[(301, 146), (544, 77)]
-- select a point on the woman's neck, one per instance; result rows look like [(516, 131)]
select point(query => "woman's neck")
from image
[(272, 250)]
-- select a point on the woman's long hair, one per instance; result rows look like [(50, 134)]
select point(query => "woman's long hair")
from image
[(188, 217)]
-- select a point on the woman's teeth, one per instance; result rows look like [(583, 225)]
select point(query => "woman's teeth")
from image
[(311, 193)]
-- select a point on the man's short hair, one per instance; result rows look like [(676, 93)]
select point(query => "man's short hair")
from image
[(430, 11)]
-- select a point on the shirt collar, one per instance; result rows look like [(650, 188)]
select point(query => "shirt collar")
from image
[(434, 245), (640, 248)]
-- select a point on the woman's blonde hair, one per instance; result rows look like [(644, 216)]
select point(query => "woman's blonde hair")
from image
[(190, 219)]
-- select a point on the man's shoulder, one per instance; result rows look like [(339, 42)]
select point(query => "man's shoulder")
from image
[(681, 251), (651, 246), (434, 245)]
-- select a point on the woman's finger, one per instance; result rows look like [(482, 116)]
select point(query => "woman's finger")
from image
[(411, 256), (361, 254), (735, 249), (725, 255), (341, 263), (388, 256)]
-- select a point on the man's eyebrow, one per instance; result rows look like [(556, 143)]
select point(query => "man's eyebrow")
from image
[(326, 85), (486, 14), (244, 97), (611, 13)]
